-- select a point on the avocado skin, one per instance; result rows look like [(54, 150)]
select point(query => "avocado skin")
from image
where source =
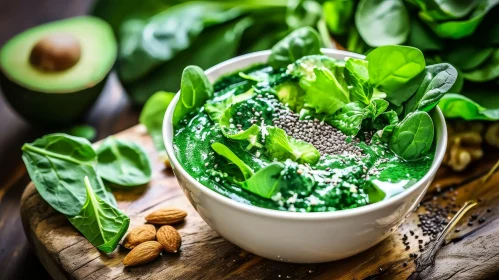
[(49, 109)]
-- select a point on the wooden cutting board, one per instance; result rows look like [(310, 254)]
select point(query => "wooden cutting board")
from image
[(472, 253)]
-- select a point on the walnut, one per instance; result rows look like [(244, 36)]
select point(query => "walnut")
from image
[(492, 135), (164, 158), (464, 145)]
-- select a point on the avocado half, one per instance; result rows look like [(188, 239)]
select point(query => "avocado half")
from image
[(53, 73)]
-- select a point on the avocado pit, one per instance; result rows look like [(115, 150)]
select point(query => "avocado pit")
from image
[(56, 52)]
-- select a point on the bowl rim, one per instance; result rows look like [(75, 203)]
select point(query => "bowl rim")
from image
[(257, 210)]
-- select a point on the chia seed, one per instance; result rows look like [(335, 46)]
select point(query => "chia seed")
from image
[(326, 138), (434, 220)]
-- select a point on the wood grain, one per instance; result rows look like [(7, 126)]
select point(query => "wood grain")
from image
[(205, 255)]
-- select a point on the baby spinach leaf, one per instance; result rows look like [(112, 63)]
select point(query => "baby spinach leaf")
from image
[(299, 43), (438, 79), (305, 66), (337, 14), (423, 38), (100, 222), (281, 147), (382, 22), (385, 124), (395, 70), (351, 117), (357, 76), (265, 182), (456, 29), (152, 116), (302, 13), (290, 94), (146, 44), (195, 89), (447, 9), (326, 93), (214, 45), (488, 71), (57, 163), (224, 151), (413, 136), (251, 135), (216, 109), (458, 106), (85, 131), (124, 163), (468, 56)]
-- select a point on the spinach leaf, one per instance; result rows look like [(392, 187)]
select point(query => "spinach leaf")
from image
[(351, 117), (56, 164), (301, 13), (195, 89), (224, 151), (337, 14), (488, 71), (354, 41), (251, 135), (100, 222), (146, 44), (123, 163), (281, 147), (305, 66), (299, 43), (85, 131), (382, 22), (385, 124), (290, 94), (458, 106), (126, 10), (326, 92), (357, 76), (456, 29), (445, 9), (423, 38), (438, 80), (214, 45), (395, 70), (216, 109), (413, 136), (265, 182), (468, 56), (152, 116)]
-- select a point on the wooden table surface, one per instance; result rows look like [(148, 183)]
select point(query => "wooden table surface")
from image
[(111, 113)]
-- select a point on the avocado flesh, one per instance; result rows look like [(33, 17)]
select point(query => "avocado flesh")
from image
[(98, 55)]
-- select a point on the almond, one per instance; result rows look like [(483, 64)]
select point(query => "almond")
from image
[(169, 237), (139, 235), (166, 216), (143, 253)]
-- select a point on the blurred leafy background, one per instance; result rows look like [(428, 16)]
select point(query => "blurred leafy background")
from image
[(157, 39)]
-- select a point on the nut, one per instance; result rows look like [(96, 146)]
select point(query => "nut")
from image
[(165, 159), (139, 235), (169, 237), (492, 135), (166, 216), (464, 145), (143, 253)]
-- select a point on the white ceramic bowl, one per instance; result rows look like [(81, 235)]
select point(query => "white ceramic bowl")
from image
[(299, 237)]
